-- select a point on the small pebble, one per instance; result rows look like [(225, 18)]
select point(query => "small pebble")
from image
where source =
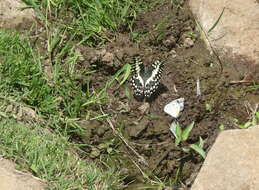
[(170, 42), (188, 43)]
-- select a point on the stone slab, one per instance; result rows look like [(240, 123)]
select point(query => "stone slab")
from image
[(236, 35), (12, 16), (232, 163), (12, 179)]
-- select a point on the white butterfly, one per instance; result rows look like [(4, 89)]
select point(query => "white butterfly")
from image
[(175, 107)]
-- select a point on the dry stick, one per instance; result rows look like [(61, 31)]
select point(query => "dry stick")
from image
[(208, 42), (153, 144), (142, 159), (241, 82), (143, 173)]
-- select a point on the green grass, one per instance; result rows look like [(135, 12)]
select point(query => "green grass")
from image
[(254, 87), (252, 122), (91, 21), (59, 98), (21, 75), (50, 157)]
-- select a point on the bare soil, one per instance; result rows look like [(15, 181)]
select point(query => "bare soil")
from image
[(167, 32)]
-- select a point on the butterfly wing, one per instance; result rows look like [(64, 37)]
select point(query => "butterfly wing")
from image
[(153, 80), (137, 81), (137, 66)]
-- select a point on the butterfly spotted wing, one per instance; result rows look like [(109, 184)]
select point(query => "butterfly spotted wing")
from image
[(145, 81), (137, 81), (153, 80)]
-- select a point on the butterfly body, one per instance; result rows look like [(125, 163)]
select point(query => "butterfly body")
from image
[(145, 80)]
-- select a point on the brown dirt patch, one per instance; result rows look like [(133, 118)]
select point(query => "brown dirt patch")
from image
[(167, 32)]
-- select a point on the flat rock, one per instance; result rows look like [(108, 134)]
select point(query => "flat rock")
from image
[(236, 35), (11, 15), (232, 163), (11, 179)]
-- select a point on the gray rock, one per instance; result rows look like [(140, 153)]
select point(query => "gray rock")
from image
[(173, 53), (236, 35), (188, 43), (11, 179), (232, 163), (13, 17), (170, 42)]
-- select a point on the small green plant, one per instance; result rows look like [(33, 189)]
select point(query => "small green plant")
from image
[(208, 107), (221, 127), (254, 87), (191, 35), (177, 3), (123, 74), (253, 122), (197, 147), (182, 135), (246, 125)]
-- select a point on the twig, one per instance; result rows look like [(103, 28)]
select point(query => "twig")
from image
[(141, 158), (210, 46), (153, 144), (143, 173), (240, 81)]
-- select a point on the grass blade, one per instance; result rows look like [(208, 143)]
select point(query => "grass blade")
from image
[(126, 69), (187, 131), (178, 133), (199, 150), (215, 24)]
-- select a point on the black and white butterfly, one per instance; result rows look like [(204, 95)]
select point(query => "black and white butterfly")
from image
[(145, 80)]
